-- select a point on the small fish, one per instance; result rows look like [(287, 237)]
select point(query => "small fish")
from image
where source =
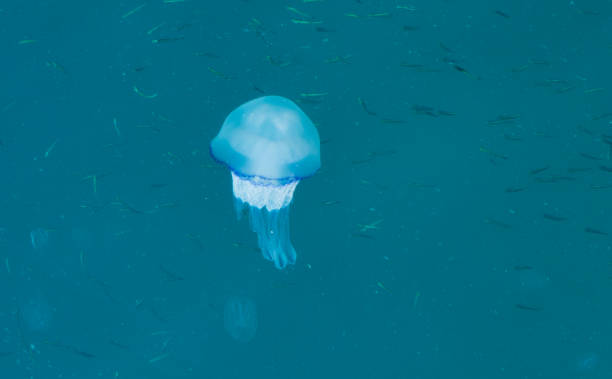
[(157, 358), (155, 28), (538, 170), (142, 94), (305, 22), (48, 151), (602, 116), (463, 70), (554, 179), (371, 226), (502, 14), (365, 107), (392, 121), (363, 235), (551, 82), (445, 113), (70, 349), (504, 119), (552, 217), (594, 90), (131, 12), (520, 68), (585, 130), (527, 307), (218, 73), (515, 189), (339, 59), (83, 353), (118, 344), (591, 157), (573, 170), (382, 286), (257, 89), (379, 14), (600, 186), (330, 202), (595, 231), (418, 67), (445, 48), (167, 39), (565, 89), (56, 66), (424, 110), (512, 137), (171, 276), (410, 8), (493, 154)]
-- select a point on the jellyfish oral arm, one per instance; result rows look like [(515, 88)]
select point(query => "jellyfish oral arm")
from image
[(268, 202), (263, 193)]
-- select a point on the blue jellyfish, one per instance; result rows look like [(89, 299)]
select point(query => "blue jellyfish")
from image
[(269, 145)]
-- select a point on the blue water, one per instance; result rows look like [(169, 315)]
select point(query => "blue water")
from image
[(459, 227)]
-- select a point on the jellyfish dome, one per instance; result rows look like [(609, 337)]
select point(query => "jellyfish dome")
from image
[(269, 145)]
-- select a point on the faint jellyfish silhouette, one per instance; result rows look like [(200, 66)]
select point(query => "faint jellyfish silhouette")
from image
[(39, 238), (35, 311), (587, 362), (240, 318), (269, 144)]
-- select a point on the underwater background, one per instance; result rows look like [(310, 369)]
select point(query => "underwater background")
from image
[(460, 225)]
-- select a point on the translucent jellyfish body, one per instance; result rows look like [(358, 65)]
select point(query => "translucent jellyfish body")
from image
[(240, 318), (269, 144)]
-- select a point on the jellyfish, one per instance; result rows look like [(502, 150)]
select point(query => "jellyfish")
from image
[(269, 145), (39, 238), (34, 310), (240, 318)]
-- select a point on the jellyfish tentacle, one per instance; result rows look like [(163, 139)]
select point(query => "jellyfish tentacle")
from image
[(272, 229)]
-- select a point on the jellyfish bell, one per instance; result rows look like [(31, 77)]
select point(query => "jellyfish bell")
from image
[(270, 138), (269, 145)]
